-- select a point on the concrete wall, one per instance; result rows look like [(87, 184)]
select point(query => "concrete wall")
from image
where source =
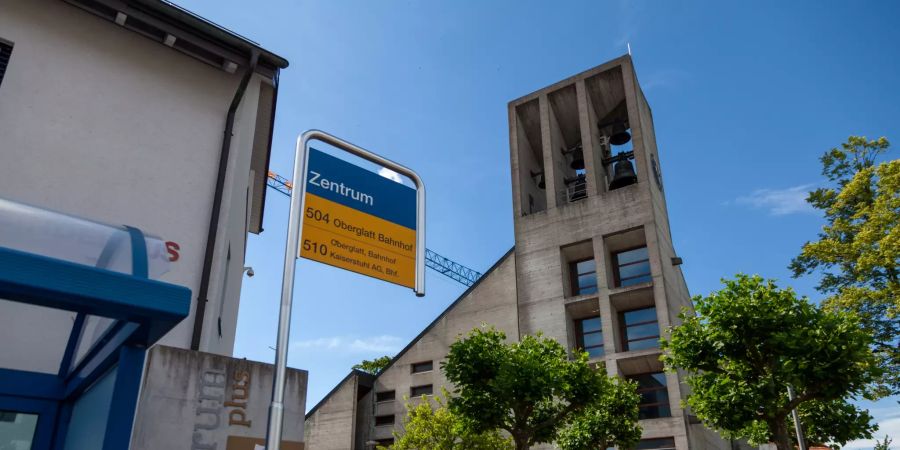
[(332, 425), (100, 122), (701, 437), (194, 400), (491, 301)]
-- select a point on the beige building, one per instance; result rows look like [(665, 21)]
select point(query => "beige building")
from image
[(140, 113), (593, 266), (121, 119)]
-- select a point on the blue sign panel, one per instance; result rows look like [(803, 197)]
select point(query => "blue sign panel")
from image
[(358, 220), (365, 191)]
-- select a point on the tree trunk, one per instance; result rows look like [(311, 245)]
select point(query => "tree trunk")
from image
[(781, 435), (521, 442)]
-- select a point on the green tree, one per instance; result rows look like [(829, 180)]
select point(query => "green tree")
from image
[(883, 445), (749, 341), (374, 366), (530, 388), (610, 421), (432, 426), (858, 250), (836, 421)]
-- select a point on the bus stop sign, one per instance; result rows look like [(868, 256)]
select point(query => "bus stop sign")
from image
[(358, 220)]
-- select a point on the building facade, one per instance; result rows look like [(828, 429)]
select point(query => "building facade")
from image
[(134, 150), (593, 266), (118, 111)]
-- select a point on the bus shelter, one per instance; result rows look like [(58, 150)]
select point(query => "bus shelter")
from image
[(79, 306)]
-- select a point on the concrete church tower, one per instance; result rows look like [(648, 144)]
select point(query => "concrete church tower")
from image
[(593, 267)]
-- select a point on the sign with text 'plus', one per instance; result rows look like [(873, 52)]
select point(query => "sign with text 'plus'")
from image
[(358, 220)]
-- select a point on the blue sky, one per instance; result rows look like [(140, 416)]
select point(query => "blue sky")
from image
[(746, 96)]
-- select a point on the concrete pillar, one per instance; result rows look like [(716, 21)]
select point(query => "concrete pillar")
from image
[(552, 184), (590, 142)]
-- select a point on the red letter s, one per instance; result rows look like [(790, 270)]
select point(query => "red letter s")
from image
[(172, 248)]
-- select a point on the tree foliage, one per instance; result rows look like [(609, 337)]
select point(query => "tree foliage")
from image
[(374, 366), (530, 388), (883, 445), (749, 341), (610, 421), (432, 426), (858, 250), (834, 421)]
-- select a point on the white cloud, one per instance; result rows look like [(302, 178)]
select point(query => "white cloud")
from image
[(780, 202), (664, 78), (889, 427), (626, 20), (352, 344), (390, 174)]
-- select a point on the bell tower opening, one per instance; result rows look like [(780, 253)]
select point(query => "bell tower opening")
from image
[(531, 171), (566, 144), (611, 130)]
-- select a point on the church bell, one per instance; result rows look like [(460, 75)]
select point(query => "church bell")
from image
[(577, 158), (539, 179), (620, 135), (623, 174)]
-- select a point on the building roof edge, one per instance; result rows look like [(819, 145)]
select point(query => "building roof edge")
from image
[(353, 372), (419, 336), (171, 18), (445, 311)]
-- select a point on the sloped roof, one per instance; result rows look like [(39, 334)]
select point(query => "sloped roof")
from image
[(365, 378), (419, 336)]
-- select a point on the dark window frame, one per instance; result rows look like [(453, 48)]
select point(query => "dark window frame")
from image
[(579, 336), (413, 394), (383, 420), (574, 275), (623, 328), (392, 393), (668, 444), (640, 390), (415, 367), (617, 267)]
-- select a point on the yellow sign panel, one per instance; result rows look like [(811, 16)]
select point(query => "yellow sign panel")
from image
[(359, 221), (342, 237)]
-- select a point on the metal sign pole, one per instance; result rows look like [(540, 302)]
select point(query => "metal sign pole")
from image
[(295, 225), (801, 440)]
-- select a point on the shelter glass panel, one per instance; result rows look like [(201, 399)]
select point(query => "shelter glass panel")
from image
[(90, 414), (17, 430), (34, 337), (94, 328)]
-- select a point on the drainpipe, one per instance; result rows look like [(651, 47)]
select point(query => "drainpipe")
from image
[(212, 234)]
